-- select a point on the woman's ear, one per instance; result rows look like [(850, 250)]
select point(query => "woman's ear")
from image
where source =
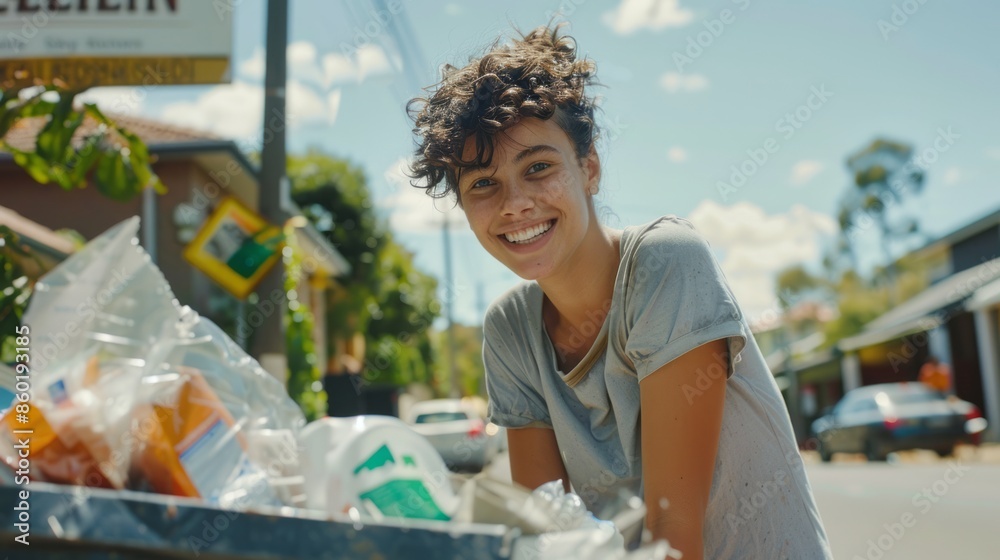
[(591, 165)]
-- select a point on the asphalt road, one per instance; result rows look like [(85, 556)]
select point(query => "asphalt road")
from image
[(915, 507), (940, 509)]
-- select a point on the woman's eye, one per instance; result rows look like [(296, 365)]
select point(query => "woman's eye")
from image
[(481, 183), (538, 167)]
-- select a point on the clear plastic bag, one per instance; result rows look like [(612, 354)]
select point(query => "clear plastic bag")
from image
[(132, 390)]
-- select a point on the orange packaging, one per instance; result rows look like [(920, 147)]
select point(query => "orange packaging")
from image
[(190, 445), (67, 453)]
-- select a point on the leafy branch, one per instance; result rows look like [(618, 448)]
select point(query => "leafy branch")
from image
[(116, 160)]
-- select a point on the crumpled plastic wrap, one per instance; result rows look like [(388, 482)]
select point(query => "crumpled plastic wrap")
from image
[(132, 390)]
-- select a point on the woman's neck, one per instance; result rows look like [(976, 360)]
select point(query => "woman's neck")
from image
[(582, 292)]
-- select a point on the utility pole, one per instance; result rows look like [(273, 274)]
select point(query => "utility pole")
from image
[(269, 340), (449, 291)]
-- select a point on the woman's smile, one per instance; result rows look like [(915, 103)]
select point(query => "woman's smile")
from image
[(529, 239)]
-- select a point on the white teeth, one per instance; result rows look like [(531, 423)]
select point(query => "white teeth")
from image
[(527, 235)]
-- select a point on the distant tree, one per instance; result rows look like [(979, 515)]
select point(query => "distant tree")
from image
[(796, 283), (468, 347), (884, 175), (384, 297)]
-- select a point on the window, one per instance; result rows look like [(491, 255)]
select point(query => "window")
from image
[(435, 417), (913, 398)]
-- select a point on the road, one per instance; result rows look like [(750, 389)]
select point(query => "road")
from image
[(916, 507)]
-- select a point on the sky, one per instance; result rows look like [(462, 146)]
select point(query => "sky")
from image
[(692, 93)]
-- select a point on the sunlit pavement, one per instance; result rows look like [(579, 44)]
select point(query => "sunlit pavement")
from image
[(916, 506)]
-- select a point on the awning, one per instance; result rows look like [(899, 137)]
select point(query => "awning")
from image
[(987, 296), (318, 253), (48, 248), (872, 337), (921, 312)]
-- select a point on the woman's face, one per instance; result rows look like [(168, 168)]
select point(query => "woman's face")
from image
[(532, 208)]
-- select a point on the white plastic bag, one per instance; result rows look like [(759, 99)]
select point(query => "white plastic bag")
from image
[(376, 466), (575, 534)]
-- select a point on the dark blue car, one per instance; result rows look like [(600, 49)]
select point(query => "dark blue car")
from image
[(879, 419)]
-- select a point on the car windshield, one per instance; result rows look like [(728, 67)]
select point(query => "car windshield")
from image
[(435, 417)]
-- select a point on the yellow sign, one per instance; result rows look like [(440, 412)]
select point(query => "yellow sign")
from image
[(85, 72), (85, 43), (235, 247)]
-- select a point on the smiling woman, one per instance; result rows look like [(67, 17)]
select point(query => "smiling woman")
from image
[(609, 322)]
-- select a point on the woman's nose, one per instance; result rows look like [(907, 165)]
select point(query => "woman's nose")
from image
[(517, 199)]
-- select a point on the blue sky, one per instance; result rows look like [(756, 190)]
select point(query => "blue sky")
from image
[(675, 127)]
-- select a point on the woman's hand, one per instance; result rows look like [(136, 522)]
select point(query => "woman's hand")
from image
[(681, 419)]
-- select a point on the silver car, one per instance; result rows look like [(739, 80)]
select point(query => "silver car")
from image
[(456, 430)]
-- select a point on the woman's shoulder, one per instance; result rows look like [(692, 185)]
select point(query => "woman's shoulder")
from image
[(513, 307), (666, 237)]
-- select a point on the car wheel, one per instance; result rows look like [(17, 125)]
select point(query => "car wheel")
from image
[(874, 450), (945, 452)]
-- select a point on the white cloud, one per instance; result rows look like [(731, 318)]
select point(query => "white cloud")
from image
[(632, 15), (952, 176), (411, 210), (232, 110), (306, 65), (756, 246), (332, 105), (674, 82), (368, 61), (236, 110), (253, 67), (116, 100), (303, 64), (677, 154), (803, 172)]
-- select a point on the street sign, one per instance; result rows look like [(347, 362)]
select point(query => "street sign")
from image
[(235, 247), (84, 43)]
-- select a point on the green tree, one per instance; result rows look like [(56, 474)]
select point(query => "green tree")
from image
[(468, 347), (113, 159), (385, 296), (884, 175)]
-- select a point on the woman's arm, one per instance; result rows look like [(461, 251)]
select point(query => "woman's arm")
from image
[(681, 419), (534, 457)]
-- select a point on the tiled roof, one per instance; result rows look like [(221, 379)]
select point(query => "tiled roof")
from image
[(153, 133)]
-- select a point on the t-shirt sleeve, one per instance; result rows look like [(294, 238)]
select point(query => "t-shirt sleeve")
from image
[(678, 300), (514, 400)]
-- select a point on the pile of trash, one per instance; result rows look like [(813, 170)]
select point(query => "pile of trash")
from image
[(132, 391)]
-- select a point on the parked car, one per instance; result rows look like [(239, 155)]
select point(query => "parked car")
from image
[(457, 431), (879, 419)]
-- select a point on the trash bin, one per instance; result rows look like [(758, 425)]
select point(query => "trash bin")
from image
[(74, 523)]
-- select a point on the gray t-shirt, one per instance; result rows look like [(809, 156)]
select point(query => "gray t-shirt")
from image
[(670, 297)]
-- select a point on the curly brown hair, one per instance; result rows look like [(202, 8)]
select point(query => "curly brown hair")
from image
[(536, 76)]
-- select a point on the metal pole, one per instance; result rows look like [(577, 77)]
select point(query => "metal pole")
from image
[(449, 302), (269, 340)]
